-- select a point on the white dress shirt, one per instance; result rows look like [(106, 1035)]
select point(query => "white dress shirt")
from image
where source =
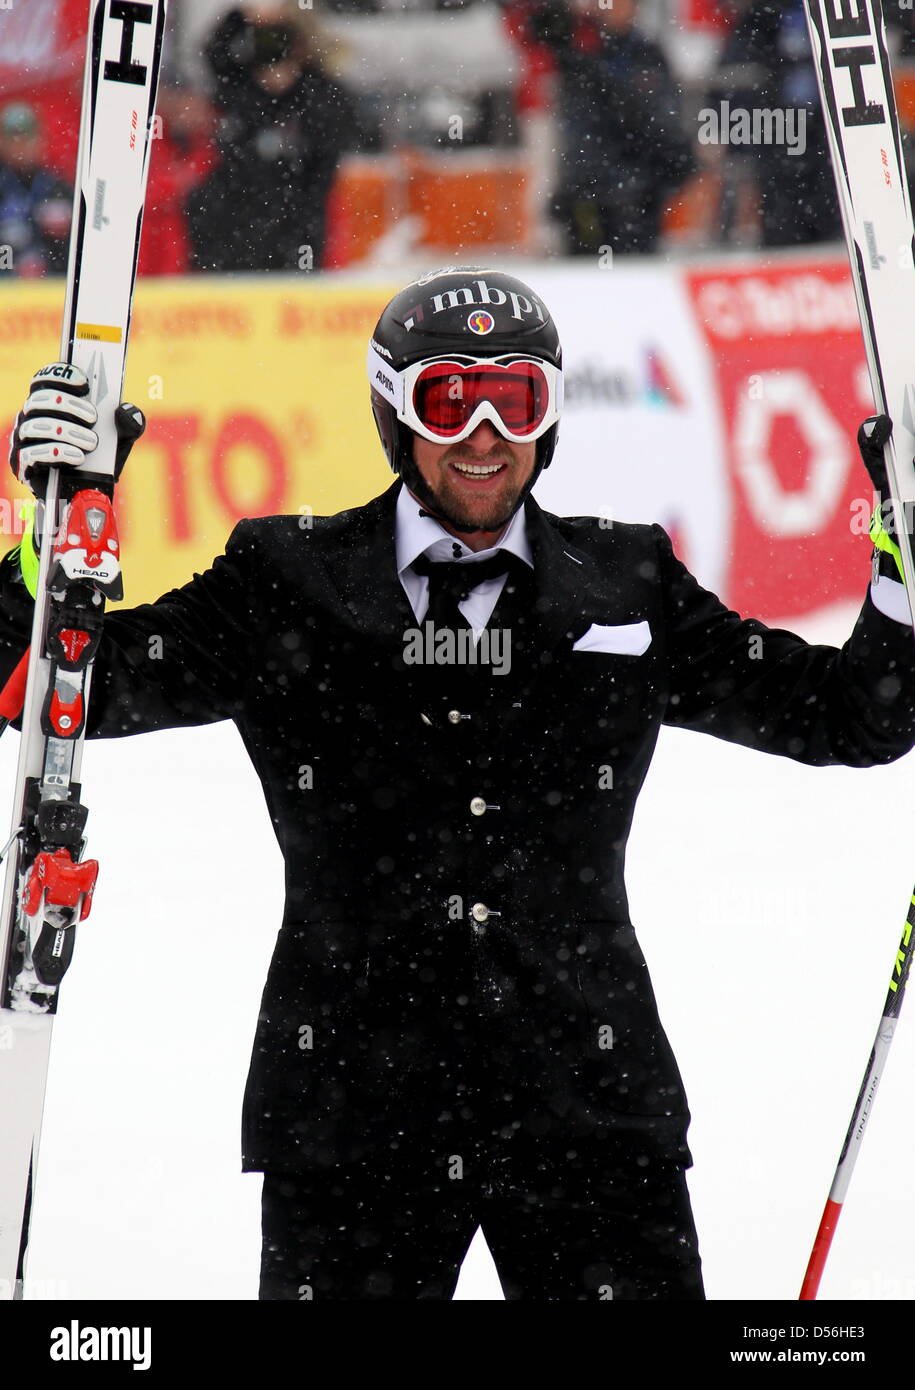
[(416, 535)]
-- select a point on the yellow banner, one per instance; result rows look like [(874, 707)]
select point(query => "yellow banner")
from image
[(257, 402)]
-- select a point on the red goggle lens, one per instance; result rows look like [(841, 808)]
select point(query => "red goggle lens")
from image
[(446, 394)]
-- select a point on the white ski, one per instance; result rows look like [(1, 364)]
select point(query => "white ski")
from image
[(119, 92)]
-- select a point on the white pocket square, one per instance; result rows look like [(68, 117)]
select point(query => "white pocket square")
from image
[(632, 639)]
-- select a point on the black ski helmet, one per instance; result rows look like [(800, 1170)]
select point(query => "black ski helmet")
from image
[(465, 310)]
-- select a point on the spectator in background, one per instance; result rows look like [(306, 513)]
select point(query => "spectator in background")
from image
[(36, 206), (284, 125), (183, 154), (624, 149), (766, 64)]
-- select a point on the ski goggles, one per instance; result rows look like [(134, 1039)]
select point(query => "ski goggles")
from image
[(444, 399)]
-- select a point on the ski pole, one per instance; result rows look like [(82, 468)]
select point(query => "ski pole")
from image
[(862, 1110)]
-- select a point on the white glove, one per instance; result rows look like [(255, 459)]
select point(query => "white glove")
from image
[(55, 427)]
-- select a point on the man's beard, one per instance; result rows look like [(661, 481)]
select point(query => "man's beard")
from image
[(445, 506)]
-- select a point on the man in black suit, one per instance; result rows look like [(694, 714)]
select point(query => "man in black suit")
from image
[(451, 698)]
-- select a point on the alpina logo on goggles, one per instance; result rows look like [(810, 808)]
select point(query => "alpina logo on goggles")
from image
[(444, 399)]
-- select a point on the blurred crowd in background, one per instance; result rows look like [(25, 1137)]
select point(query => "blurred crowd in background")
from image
[(304, 134)]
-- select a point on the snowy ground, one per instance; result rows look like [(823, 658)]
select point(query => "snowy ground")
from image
[(768, 897)]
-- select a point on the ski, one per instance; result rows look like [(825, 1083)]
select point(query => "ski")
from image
[(858, 102), (49, 885)]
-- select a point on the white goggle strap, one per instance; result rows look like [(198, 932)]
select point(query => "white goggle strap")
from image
[(386, 380)]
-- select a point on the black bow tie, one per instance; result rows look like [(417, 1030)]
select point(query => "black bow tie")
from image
[(450, 582), (459, 578)]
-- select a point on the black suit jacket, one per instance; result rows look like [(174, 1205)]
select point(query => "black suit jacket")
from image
[(443, 975)]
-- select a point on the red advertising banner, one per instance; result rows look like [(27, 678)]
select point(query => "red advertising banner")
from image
[(793, 386)]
